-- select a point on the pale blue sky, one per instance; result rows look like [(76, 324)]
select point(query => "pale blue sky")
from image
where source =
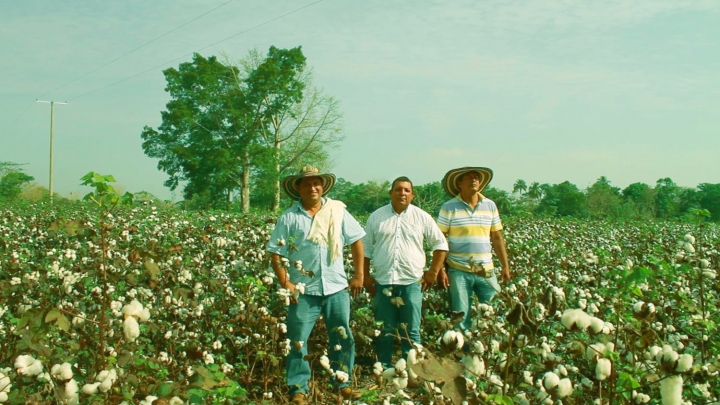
[(545, 91)]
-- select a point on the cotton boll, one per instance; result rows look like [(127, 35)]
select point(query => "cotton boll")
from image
[(62, 372), (389, 373), (564, 388), (551, 380), (90, 389), (144, 315), (474, 364), (325, 362), (400, 383), (378, 369), (341, 376), (596, 325), (594, 351), (131, 329), (133, 308), (671, 390), (400, 366), (603, 369), (684, 363)]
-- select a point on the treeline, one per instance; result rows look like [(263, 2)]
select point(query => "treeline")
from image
[(602, 200)]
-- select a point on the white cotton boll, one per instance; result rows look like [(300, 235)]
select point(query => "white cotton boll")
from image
[(453, 340), (387, 291), (341, 376), (378, 369), (685, 362), (389, 373), (144, 315), (90, 389), (521, 399), (689, 247), (71, 389), (551, 380), (596, 324), (474, 364), (149, 400), (564, 388), (603, 369), (586, 382), (689, 238), (671, 390), (638, 306), (131, 329), (298, 264), (325, 362), (338, 348), (3, 396), (478, 347), (594, 351), (652, 352), (400, 382), (62, 372), (401, 365), (528, 377), (132, 309), (667, 355), (704, 263), (177, 401)]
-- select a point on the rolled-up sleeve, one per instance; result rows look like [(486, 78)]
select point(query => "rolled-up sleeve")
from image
[(352, 231), (279, 238), (433, 235)]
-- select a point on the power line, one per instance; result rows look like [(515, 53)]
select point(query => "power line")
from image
[(139, 47), (10, 127), (205, 47)]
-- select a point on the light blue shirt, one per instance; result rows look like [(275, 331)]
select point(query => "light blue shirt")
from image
[(292, 227)]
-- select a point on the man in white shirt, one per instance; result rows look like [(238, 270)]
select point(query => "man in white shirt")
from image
[(394, 236)]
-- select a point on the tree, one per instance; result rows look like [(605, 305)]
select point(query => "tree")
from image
[(226, 123), (430, 197), (564, 199), (202, 139), (639, 201), (710, 199), (520, 187), (299, 124), (12, 181), (604, 200), (667, 198), (534, 191)]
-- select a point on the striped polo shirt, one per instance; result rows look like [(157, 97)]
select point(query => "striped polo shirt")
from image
[(468, 231)]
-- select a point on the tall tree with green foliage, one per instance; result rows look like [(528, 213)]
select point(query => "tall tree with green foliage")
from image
[(520, 187), (298, 123), (604, 200), (667, 198), (710, 199)]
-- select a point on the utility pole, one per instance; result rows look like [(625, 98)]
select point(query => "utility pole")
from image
[(52, 118)]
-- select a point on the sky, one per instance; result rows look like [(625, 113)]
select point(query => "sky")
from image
[(546, 91)]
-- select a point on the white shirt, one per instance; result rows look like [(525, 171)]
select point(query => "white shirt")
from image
[(394, 243)]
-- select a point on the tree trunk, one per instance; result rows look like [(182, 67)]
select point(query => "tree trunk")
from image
[(276, 200), (245, 188)]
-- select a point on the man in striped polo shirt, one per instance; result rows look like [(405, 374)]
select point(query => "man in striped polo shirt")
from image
[(472, 225), (394, 236)]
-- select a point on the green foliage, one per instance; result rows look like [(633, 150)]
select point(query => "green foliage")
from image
[(12, 181), (104, 195)]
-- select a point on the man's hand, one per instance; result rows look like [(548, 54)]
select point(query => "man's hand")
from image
[(443, 280), (505, 275), (370, 286), (428, 279), (356, 285)]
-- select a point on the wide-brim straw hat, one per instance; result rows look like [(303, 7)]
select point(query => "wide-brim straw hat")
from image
[(451, 178), (290, 183)]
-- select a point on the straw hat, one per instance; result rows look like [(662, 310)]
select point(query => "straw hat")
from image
[(452, 177), (290, 183)]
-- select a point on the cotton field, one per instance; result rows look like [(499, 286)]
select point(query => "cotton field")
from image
[(167, 307)]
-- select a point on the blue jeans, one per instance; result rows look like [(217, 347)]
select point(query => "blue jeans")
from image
[(392, 316), (462, 286), (335, 309)]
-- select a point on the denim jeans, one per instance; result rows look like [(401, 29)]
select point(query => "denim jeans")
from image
[(335, 309), (392, 316), (463, 285)]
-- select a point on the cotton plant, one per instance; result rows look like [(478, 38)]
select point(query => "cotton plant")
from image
[(5, 385)]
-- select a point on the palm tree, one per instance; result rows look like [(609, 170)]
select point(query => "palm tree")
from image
[(519, 187), (534, 191)]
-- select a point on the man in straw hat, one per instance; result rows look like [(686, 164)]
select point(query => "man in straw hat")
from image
[(306, 254), (394, 239), (472, 225)]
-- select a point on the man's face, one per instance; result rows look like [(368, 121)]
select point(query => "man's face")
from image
[(310, 189), (401, 195), (469, 183)]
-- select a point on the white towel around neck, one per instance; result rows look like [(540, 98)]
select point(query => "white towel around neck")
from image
[(326, 228)]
